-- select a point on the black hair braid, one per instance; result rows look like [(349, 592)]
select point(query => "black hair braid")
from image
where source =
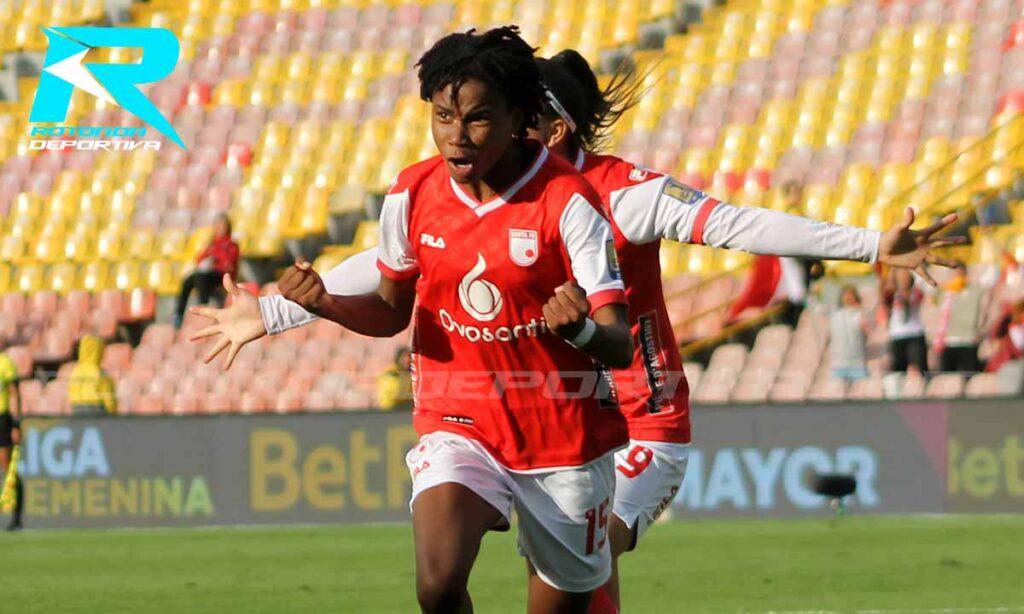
[(498, 57)]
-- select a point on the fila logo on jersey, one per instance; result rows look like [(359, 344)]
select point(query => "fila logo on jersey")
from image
[(522, 246), (432, 241), (479, 297)]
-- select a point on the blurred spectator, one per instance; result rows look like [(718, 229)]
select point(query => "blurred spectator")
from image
[(902, 301), (792, 197), (394, 386), (849, 337), (91, 390), (956, 338), (10, 429), (1009, 334), (219, 257)]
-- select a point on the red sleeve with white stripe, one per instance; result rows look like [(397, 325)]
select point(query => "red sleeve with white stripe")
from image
[(588, 242), (666, 209), (395, 257)]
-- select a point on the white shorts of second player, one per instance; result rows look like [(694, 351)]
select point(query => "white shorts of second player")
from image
[(562, 514), (648, 475)]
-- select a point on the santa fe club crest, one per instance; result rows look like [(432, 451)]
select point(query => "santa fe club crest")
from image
[(522, 246)]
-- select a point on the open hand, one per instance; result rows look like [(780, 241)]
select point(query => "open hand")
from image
[(232, 326), (904, 248)]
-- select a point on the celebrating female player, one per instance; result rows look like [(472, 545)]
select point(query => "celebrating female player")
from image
[(489, 240), (645, 207)]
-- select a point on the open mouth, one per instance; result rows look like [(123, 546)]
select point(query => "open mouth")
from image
[(462, 163)]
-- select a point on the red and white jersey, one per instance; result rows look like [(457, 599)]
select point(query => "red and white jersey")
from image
[(646, 207), (653, 393), (485, 364)]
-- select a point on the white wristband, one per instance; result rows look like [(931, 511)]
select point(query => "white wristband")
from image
[(585, 335)]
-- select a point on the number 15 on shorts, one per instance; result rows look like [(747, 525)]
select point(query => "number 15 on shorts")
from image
[(597, 522)]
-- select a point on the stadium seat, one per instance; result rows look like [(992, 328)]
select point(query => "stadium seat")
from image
[(982, 385), (945, 386)]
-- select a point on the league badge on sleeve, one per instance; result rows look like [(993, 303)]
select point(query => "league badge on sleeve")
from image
[(613, 259), (683, 193), (522, 246)]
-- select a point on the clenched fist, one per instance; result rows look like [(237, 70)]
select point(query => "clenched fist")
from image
[(567, 311), (302, 285)]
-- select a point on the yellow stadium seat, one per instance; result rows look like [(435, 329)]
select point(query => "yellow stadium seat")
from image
[(228, 93), (49, 249), (171, 244), (162, 277), (109, 245), (93, 276), (140, 244), (817, 202), (12, 248), (61, 277), (5, 277), (30, 278), (127, 275)]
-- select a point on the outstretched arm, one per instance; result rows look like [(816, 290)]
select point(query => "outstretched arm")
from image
[(353, 276), (665, 209), (383, 313), (248, 318)]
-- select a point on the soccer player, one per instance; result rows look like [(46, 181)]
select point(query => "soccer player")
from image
[(510, 263), (10, 429), (645, 207)]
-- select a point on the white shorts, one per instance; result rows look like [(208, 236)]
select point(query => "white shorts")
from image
[(647, 477), (563, 514)]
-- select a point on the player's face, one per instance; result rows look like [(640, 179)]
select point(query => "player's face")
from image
[(473, 132)]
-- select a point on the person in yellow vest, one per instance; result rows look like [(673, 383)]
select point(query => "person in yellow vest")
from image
[(91, 390), (394, 386), (10, 429)]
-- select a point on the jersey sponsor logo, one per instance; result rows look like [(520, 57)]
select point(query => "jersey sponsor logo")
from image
[(457, 419), (432, 241), (487, 334), (683, 193), (638, 174), (522, 246), (613, 259), (654, 366), (479, 297)]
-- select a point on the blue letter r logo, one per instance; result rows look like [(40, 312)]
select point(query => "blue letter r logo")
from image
[(63, 70)]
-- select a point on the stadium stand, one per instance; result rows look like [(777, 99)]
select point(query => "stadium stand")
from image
[(298, 113)]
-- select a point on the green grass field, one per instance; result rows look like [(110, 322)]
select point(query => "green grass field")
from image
[(948, 564)]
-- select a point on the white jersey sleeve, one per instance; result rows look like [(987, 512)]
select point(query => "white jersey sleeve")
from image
[(1016, 334), (666, 209), (351, 277), (588, 242), (395, 256)]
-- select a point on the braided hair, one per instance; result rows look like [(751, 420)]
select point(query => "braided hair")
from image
[(499, 57), (569, 78)]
